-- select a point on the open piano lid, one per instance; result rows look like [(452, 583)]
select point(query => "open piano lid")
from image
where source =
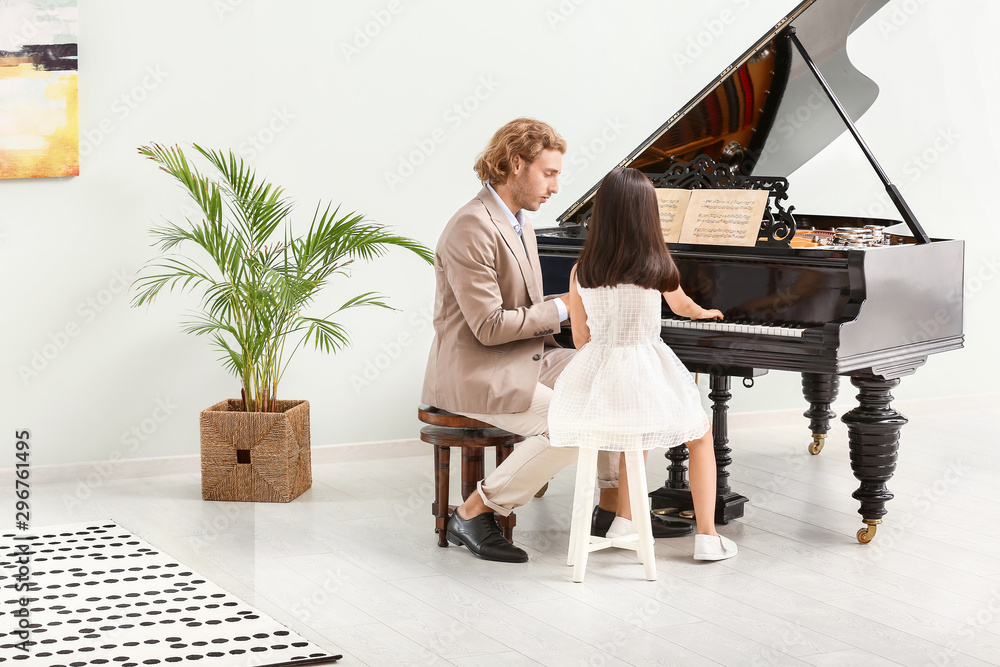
[(746, 115)]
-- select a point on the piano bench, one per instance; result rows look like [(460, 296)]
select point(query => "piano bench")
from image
[(446, 430)]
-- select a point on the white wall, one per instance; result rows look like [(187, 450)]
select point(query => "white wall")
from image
[(272, 80)]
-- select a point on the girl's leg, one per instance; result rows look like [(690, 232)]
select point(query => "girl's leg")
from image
[(624, 506), (702, 474)]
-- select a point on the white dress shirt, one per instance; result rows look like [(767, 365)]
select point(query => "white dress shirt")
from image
[(517, 222)]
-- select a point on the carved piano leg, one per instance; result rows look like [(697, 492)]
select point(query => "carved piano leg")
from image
[(728, 503), (820, 390), (873, 432), (675, 494), (677, 470)]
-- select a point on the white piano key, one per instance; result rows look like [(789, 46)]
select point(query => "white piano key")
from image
[(729, 327)]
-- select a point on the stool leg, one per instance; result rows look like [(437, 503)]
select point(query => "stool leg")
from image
[(442, 474), (473, 469), (574, 524), (639, 499), (583, 500)]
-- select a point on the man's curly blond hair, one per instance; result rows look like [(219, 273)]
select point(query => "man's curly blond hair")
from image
[(524, 137)]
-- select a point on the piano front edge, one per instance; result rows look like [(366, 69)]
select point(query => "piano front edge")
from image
[(912, 308), (880, 311)]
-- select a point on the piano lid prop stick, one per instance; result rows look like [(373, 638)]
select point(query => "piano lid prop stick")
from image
[(897, 199)]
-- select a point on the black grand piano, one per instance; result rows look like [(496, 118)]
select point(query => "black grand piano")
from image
[(844, 307)]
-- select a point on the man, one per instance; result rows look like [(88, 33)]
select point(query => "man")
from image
[(493, 357)]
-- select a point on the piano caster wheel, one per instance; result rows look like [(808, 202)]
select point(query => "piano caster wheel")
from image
[(816, 446), (865, 535), (541, 491)]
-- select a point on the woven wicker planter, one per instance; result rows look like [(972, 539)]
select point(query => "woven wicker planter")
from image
[(255, 456)]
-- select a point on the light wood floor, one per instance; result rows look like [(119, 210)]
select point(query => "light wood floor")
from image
[(353, 564)]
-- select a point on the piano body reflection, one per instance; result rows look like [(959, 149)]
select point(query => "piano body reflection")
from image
[(871, 313)]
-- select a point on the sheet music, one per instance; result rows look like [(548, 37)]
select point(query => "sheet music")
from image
[(673, 204), (724, 217)]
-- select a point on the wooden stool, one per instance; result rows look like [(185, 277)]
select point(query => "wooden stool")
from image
[(580, 541), (449, 430)]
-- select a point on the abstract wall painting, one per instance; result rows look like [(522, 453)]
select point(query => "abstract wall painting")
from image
[(39, 126)]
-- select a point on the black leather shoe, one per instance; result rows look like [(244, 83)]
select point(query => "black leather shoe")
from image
[(482, 536), (602, 519)]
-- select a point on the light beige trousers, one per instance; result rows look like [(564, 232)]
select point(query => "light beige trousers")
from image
[(534, 462)]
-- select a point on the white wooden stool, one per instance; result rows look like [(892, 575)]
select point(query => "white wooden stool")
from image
[(581, 543)]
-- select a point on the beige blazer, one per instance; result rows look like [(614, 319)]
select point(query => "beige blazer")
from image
[(491, 321)]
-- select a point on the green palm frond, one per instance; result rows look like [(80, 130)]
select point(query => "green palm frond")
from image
[(327, 336), (232, 359), (366, 299), (258, 207), (177, 274), (261, 278), (202, 190)]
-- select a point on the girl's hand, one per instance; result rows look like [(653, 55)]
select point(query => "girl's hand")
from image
[(710, 315)]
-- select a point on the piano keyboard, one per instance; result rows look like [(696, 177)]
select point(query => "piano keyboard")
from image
[(736, 327)]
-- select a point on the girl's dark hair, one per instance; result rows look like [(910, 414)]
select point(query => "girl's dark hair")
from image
[(625, 244)]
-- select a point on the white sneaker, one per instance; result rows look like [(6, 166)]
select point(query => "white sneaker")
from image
[(620, 528), (713, 547)]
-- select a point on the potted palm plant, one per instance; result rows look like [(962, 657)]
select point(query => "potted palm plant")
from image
[(256, 281)]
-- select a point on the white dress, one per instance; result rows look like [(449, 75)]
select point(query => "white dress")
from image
[(625, 390)]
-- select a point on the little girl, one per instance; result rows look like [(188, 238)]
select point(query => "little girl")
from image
[(625, 390)]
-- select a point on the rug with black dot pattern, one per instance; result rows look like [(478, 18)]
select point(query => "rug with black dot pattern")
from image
[(99, 595)]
